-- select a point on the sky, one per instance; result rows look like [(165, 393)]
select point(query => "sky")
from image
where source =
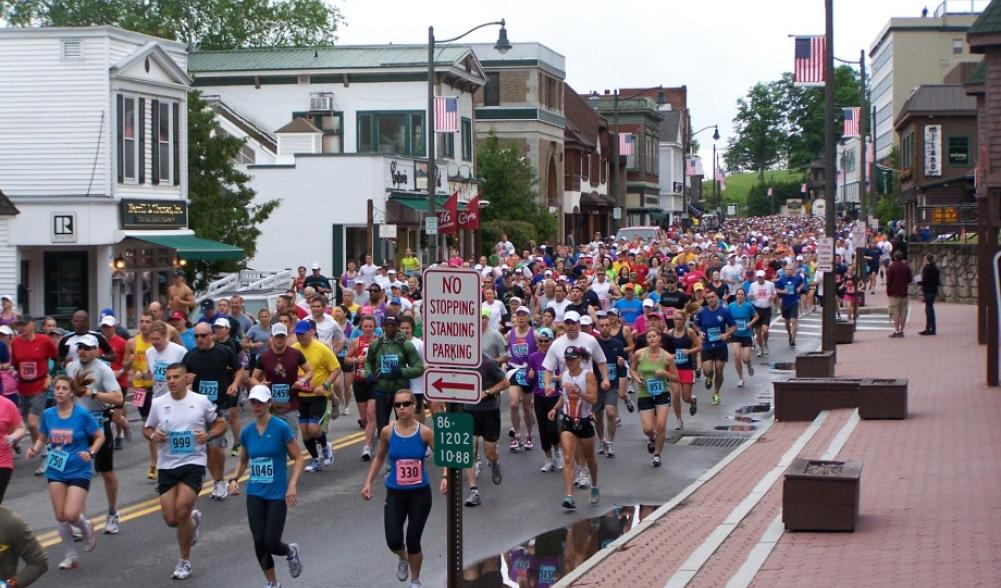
[(718, 48)]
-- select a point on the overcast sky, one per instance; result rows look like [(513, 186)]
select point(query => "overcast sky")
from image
[(718, 48)]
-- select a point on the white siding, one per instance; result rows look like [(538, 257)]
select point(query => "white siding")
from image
[(8, 261), (50, 116)]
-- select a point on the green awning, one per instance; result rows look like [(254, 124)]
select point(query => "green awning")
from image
[(420, 203), (192, 247), (656, 215)]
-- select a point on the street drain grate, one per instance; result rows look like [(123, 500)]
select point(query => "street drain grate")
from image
[(706, 441)]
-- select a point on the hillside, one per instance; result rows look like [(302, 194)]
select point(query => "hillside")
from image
[(738, 185)]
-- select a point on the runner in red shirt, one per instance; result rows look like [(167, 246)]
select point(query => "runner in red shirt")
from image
[(30, 355)]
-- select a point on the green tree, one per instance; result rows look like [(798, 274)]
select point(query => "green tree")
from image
[(508, 181), (207, 24), (803, 109), (759, 203), (759, 135), (888, 206), (222, 205)]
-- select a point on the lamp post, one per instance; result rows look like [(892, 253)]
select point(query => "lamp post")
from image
[(661, 100), (715, 138), (502, 46)]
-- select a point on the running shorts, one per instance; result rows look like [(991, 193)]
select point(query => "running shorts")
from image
[(686, 376), (487, 424), (190, 475), (580, 428), (744, 341), (790, 311), (764, 316), (312, 409), (717, 354), (652, 402)]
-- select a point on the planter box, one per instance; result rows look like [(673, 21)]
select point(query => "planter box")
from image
[(821, 495), (883, 399), (815, 364), (844, 332), (802, 399)]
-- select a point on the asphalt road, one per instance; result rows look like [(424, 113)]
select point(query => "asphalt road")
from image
[(341, 535)]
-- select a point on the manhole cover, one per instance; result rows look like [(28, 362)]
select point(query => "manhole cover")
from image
[(707, 441)]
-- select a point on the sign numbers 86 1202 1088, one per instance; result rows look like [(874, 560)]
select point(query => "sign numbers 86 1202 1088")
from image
[(453, 440)]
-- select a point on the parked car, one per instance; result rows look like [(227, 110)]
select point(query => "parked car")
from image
[(645, 233), (253, 302)]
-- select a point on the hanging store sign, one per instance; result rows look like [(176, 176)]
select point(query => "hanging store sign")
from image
[(154, 214), (933, 150)]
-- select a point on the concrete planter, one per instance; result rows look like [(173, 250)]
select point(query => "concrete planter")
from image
[(802, 399), (815, 364), (883, 399), (844, 332), (821, 495)]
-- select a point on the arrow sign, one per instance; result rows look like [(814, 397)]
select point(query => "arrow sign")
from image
[(446, 385)]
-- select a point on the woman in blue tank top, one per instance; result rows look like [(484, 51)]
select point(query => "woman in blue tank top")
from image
[(408, 490)]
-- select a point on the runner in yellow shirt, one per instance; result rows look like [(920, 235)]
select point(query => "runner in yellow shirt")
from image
[(314, 409)]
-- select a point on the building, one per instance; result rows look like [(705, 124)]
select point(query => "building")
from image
[(587, 204), (102, 193), (938, 137), (848, 177), (339, 135), (911, 51), (673, 181), (522, 102)]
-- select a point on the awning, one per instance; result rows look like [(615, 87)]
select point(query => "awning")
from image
[(656, 215), (420, 203), (192, 247)]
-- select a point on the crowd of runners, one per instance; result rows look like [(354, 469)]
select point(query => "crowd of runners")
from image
[(569, 335)]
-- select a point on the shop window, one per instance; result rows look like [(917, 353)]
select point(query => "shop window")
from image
[(959, 151), (398, 133)]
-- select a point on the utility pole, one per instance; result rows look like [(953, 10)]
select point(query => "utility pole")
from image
[(861, 126), (829, 180), (370, 228), (617, 224), (433, 256)]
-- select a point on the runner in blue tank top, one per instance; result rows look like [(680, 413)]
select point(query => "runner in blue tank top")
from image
[(745, 318), (408, 489)]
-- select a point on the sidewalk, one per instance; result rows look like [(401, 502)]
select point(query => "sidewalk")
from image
[(931, 485)]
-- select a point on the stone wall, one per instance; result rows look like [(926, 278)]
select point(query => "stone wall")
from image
[(957, 265)]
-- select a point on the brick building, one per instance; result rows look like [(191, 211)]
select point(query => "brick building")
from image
[(587, 200)]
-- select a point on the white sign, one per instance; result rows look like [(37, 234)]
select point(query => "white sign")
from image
[(617, 213), (451, 307), (858, 234), (431, 225), (399, 175), (63, 227), (387, 231), (452, 385), (933, 150), (819, 207), (731, 209), (825, 254)]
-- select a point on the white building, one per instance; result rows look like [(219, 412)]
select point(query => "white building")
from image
[(848, 163), (671, 164), (94, 156), (330, 129)]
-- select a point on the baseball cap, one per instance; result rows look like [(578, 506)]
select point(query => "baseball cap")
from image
[(221, 322), (571, 316), (395, 300), (629, 286), (177, 316), (586, 320), (799, 258), (655, 315), (759, 274), (390, 318), (614, 311), (108, 320), (260, 393), (359, 282), (544, 332), (571, 352), (207, 304), (56, 331), (316, 265), (698, 286), (279, 329), (304, 326), (104, 311), (522, 309), (87, 340), (648, 303)]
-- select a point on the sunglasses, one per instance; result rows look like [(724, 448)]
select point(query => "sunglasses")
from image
[(404, 404), (200, 335)]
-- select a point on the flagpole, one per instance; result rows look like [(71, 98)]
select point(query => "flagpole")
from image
[(829, 180)]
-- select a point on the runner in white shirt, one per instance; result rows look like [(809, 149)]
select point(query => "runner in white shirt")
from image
[(762, 295), (368, 271), (731, 274), (161, 353), (182, 423), (554, 357), (327, 330), (496, 307)]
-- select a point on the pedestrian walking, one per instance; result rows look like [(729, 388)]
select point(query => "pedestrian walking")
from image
[(929, 289), (898, 277)]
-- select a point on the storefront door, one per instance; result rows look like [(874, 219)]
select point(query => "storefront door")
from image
[(67, 284)]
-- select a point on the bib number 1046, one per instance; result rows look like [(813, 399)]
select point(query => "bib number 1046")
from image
[(453, 440)]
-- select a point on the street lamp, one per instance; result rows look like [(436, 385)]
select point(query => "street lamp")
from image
[(715, 138), (502, 46)]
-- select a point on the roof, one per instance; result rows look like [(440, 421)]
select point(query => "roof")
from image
[(266, 139), (7, 207), (299, 125), (582, 122), (669, 126), (938, 99), (989, 20), (315, 58), (519, 54), (94, 31)]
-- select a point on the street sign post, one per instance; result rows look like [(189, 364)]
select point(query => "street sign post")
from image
[(453, 440), (443, 385), (452, 317), (858, 234), (431, 225), (825, 254)]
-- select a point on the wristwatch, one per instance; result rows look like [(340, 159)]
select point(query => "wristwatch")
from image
[(234, 480), (91, 453), (93, 394)]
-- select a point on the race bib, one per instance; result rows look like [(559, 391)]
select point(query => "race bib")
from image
[(181, 442), (99, 417), (713, 334), (57, 459), (521, 377), (656, 386), (389, 362), (519, 349), (210, 389), (28, 370), (160, 371), (409, 472), (741, 324), (680, 357), (138, 396), (262, 470), (613, 371), (540, 381), (280, 393)]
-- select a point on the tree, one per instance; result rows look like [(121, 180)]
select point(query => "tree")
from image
[(207, 24), (759, 133), (508, 181), (759, 203), (221, 201), (888, 206), (803, 108)]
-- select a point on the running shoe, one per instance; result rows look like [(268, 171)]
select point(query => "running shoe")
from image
[(182, 571), (601, 447), (118, 443), (760, 352), (222, 492), (709, 383), (89, 536), (716, 398), (111, 524), (609, 449), (315, 465), (511, 433), (151, 474), (529, 443), (698, 373), (767, 350), (346, 410), (41, 469), (655, 462), (69, 563), (583, 478), (77, 533), (402, 570), (650, 444), (750, 370), (740, 383), (514, 445), (560, 463), (235, 452), (416, 584), (548, 466), (694, 406), (128, 434), (792, 343), (680, 427), (328, 454), (366, 453), (568, 503), (294, 563), (495, 472), (629, 406), (595, 495), (473, 499), (196, 520)]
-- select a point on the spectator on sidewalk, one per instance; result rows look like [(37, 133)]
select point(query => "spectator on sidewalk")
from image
[(898, 277), (929, 288)]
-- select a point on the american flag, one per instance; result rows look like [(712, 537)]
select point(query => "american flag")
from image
[(721, 178), (692, 167), (808, 65), (626, 144), (446, 114), (802, 188), (851, 121)]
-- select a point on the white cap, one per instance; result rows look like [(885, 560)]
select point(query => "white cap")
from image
[(108, 321), (88, 339), (799, 258), (359, 282), (759, 274), (392, 271), (7, 297), (221, 322), (586, 320), (316, 265), (279, 329), (6, 330), (478, 267), (648, 303), (260, 392), (572, 315), (522, 309)]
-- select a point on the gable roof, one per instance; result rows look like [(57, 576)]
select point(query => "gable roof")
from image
[(318, 58), (944, 99), (989, 20), (670, 126), (154, 51), (299, 125), (7, 207)]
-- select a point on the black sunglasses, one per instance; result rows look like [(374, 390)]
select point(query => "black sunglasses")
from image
[(200, 335), (404, 404)]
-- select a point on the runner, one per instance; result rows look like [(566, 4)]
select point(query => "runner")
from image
[(271, 491), (717, 326), (407, 325), (486, 423), (182, 423), (549, 433), (652, 369), (762, 294), (118, 344), (12, 430), (789, 286), (687, 344), (30, 357), (606, 408), (578, 393), (278, 367), (314, 397), (744, 317), (360, 386), (74, 438), (408, 489), (520, 346), (135, 364), (160, 353), (391, 363)]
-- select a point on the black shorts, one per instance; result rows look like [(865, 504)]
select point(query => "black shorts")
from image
[(513, 380), (363, 391), (487, 424), (78, 482), (312, 409), (744, 341), (147, 403), (790, 311), (104, 460), (717, 354), (652, 402), (346, 367), (764, 316), (580, 428), (191, 476)]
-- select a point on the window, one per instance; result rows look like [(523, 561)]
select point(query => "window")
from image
[(957, 46), (959, 151), (585, 164), (467, 139), (129, 144), (247, 155), (164, 141), (448, 145), (399, 133), (907, 150), (491, 92)]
